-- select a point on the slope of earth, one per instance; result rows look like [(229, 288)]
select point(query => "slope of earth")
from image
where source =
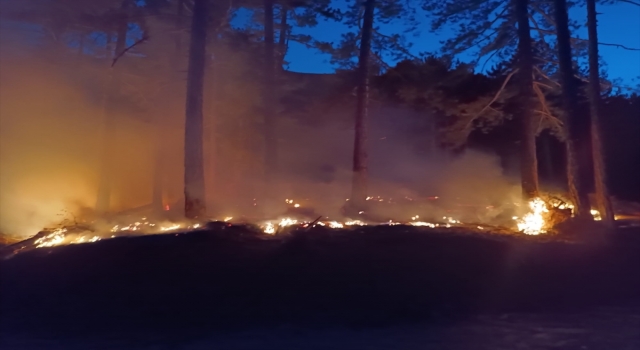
[(224, 287)]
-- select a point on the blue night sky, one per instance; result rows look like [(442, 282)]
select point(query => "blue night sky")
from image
[(619, 24)]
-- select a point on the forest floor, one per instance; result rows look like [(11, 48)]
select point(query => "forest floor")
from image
[(372, 287)]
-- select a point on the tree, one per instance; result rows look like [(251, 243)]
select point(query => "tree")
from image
[(363, 49), (360, 155), (528, 158), (268, 95), (576, 126), (194, 189), (159, 184), (599, 167), (103, 199)]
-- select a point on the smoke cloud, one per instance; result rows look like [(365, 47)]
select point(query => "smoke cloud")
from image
[(52, 114)]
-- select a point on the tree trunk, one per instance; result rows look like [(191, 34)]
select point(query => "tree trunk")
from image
[(528, 158), (194, 192), (284, 33), (159, 186), (574, 123), (599, 166), (268, 99), (359, 186), (103, 201)]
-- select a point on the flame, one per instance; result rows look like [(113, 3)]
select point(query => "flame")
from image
[(53, 239), (335, 224), (269, 228), (596, 215), (534, 223), (422, 223)]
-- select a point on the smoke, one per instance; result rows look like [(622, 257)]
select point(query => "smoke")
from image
[(408, 178), (52, 117), (50, 142)]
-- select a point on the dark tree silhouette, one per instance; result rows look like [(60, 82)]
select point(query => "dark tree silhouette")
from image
[(574, 122), (603, 202), (271, 141), (528, 159), (194, 192), (360, 155), (103, 200)]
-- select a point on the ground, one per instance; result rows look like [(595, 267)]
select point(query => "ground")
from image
[(376, 288)]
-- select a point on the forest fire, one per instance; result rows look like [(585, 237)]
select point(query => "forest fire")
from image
[(534, 222), (539, 218), (60, 237)]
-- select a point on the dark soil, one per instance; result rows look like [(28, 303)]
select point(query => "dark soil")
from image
[(230, 279)]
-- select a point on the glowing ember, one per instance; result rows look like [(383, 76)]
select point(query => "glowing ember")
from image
[(355, 223), (422, 223), (83, 239), (596, 215), (533, 223), (269, 228), (171, 228), (335, 224), (287, 222), (451, 220)]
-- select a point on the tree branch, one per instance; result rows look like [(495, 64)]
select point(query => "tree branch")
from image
[(545, 76), (544, 31), (144, 38), (630, 2), (536, 26), (506, 80)]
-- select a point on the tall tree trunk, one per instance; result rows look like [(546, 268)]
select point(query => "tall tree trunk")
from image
[(194, 192), (284, 34), (574, 123), (268, 97), (162, 137), (528, 158), (103, 201), (599, 167), (359, 185)]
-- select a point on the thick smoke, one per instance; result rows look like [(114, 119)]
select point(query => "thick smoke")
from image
[(52, 130)]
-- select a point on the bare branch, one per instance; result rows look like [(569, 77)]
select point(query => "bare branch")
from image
[(630, 2), (543, 84), (489, 59), (543, 101), (506, 80), (536, 26), (544, 31), (616, 45), (545, 15), (144, 38), (545, 76)]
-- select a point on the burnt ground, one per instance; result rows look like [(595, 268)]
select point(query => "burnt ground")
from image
[(342, 289)]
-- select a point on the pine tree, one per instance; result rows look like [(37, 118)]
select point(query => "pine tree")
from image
[(575, 125), (362, 49), (194, 188), (103, 199), (268, 102), (360, 155), (528, 157), (603, 202)]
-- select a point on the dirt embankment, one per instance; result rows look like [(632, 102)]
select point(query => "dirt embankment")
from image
[(366, 277)]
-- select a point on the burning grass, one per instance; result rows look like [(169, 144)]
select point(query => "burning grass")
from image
[(540, 216)]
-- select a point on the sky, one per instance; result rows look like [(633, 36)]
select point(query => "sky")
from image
[(619, 24)]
